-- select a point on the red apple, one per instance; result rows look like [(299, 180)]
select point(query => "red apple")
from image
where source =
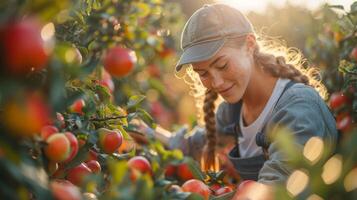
[(26, 117), (139, 164), (337, 100), (77, 174), (92, 155), (107, 81), (58, 147), (184, 172), (126, 146), (197, 187), (119, 61), (215, 187), (64, 190), (109, 140), (170, 171), (48, 130), (60, 119), (77, 106), (344, 122), (74, 145), (94, 166), (24, 48)]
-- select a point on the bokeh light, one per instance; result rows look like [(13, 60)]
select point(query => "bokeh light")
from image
[(314, 197), (297, 182), (332, 169), (313, 149), (48, 31), (350, 181)]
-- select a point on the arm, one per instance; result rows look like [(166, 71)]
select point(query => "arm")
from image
[(192, 142)]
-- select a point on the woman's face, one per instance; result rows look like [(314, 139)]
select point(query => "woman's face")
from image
[(227, 73)]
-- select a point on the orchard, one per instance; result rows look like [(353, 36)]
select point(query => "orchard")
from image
[(77, 78)]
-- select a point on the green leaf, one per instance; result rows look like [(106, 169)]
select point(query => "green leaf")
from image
[(194, 196), (143, 9), (163, 183), (221, 174), (134, 101), (118, 170), (145, 116), (123, 132), (286, 143)]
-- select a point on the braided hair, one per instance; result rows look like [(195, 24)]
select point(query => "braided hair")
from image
[(210, 124)]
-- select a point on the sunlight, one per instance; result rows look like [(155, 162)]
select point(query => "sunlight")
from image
[(260, 5)]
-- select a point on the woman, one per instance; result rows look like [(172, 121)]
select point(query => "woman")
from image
[(261, 91)]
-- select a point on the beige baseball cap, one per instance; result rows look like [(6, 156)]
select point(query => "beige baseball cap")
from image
[(207, 30)]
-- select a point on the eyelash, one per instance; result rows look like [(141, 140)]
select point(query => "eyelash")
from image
[(220, 68), (223, 67)]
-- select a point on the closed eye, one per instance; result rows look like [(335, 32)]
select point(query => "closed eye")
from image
[(222, 67)]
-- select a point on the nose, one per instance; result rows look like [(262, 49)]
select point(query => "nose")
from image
[(217, 81)]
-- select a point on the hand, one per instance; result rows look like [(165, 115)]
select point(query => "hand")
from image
[(144, 133), (140, 134)]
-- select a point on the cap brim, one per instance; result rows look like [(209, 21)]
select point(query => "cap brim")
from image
[(199, 52)]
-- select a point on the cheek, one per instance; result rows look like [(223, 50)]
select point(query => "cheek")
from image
[(242, 71)]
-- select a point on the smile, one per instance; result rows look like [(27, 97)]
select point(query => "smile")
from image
[(225, 90)]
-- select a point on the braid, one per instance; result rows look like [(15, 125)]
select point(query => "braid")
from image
[(210, 123), (278, 67)]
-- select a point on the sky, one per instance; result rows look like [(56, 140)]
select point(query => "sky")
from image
[(259, 5)]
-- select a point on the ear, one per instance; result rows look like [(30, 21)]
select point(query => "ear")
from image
[(251, 43)]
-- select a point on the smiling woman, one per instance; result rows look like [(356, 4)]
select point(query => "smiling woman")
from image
[(263, 84)]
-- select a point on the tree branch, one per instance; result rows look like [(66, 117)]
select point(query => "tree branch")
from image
[(107, 118)]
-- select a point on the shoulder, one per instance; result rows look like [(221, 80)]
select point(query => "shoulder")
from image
[(304, 112)]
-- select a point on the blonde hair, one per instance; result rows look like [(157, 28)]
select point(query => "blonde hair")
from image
[(275, 58)]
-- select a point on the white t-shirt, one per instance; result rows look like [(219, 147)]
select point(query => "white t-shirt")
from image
[(247, 144)]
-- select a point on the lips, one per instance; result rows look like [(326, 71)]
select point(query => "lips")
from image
[(225, 90)]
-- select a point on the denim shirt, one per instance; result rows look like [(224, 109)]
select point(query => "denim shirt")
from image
[(300, 108), (302, 111)]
